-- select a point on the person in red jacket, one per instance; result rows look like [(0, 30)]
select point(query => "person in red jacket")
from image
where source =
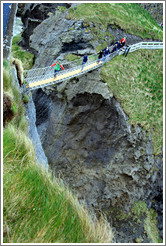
[(57, 68), (123, 41)]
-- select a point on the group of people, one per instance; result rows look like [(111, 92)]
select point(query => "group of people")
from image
[(116, 46), (102, 56)]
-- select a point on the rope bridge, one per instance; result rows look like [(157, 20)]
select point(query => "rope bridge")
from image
[(42, 77)]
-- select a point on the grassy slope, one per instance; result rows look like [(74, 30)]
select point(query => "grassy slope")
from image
[(137, 82), (130, 17), (38, 208)]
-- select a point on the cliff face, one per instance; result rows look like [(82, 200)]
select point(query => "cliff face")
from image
[(32, 14), (87, 139)]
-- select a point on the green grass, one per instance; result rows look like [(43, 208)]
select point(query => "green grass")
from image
[(137, 82), (130, 17), (38, 208), (71, 57), (17, 52)]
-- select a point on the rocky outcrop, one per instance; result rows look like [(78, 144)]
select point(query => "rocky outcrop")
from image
[(89, 142), (63, 37), (32, 14)]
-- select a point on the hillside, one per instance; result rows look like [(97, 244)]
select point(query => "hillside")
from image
[(101, 132), (129, 17)]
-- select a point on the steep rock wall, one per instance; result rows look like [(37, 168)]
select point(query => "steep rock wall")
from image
[(89, 142)]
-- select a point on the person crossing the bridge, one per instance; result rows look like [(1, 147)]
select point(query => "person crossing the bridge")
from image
[(100, 53), (123, 41), (57, 68), (85, 59), (116, 46), (106, 53)]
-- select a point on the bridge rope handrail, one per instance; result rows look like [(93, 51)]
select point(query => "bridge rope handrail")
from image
[(37, 74)]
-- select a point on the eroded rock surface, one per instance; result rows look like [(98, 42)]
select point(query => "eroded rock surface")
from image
[(90, 144)]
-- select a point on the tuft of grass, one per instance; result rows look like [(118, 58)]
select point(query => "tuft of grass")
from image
[(25, 98), (137, 82), (7, 79), (39, 208), (72, 57), (131, 17), (18, 53)]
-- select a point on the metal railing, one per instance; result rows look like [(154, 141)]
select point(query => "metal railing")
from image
[(144, 45), (38, 74)]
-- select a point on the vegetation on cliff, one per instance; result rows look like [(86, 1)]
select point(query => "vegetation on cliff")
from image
[(140, 221), (137, 82), (37, 208), (19, 53), (130, 17)]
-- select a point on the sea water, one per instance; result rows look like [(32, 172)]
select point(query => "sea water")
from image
[(18, 26)]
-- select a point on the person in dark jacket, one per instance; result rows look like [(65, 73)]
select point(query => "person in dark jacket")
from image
[(117, 46), (106, 53), (57, 68), (101, 53), (85, 59)]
